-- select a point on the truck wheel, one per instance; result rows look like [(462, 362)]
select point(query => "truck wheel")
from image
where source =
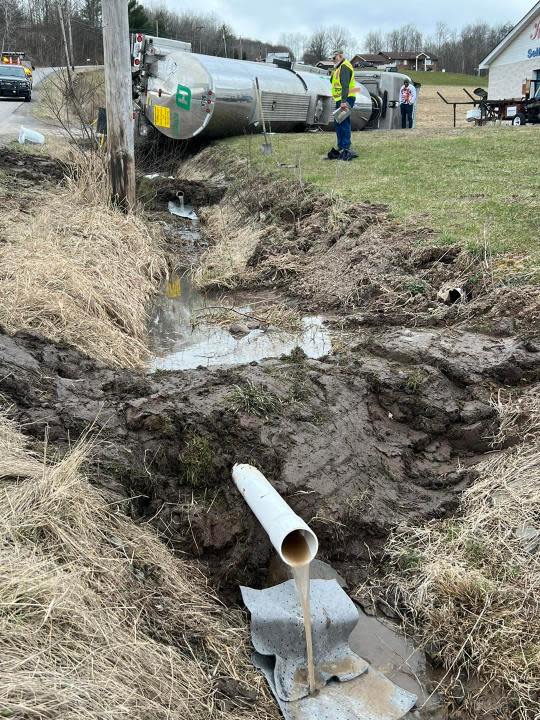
[(519, 119), (28, 98)]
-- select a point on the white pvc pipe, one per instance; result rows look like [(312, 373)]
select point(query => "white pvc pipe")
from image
[(294, 541)]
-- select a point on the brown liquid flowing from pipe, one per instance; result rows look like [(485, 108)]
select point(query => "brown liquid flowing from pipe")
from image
[(295, 550)]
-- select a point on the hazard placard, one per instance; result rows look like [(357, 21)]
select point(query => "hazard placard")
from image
[(162, 116)]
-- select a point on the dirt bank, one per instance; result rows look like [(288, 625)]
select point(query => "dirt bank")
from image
[(352, 259), (390, 432)]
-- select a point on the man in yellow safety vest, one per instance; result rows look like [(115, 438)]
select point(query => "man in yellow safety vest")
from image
[(343, 92)]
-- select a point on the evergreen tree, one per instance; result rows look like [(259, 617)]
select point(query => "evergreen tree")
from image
[(138, 18)]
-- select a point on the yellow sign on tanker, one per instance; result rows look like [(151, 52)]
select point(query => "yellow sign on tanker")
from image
[(162, 116)]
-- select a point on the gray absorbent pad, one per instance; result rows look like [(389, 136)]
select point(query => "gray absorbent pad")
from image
[(347, 688)]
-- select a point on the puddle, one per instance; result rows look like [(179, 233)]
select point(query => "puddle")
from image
[(180, 340)]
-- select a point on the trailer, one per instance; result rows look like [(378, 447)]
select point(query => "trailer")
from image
[(186, 95), (517, 111), (384, 88)]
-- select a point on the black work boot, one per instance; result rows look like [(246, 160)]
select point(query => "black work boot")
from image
[(333, 154), (345, 155)]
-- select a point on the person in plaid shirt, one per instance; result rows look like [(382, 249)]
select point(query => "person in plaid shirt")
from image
[(407, 98)]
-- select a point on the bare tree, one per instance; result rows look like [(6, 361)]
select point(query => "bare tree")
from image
[(296, 42), (32, 26), (339, 38), (406, 38), (374, 41), (317, 48)]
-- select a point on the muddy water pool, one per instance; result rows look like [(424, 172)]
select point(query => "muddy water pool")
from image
[(180, 338)]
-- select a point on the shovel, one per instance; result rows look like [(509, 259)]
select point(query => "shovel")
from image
[(266, 147)]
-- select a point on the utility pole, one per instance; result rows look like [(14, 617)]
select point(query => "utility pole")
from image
[(70, 41), (118, 95), (224, 40), (199, 29), (68, 64)]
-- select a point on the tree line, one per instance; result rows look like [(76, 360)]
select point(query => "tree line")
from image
[(34, 26), (457, 50)]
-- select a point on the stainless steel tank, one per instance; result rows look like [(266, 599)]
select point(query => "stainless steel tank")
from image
[(363, 108), (384, 88), (186, 95)]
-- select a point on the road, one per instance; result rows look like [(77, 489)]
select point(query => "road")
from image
[(8, 107)]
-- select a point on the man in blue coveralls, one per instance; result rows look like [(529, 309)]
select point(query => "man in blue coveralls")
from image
[(343, 92)]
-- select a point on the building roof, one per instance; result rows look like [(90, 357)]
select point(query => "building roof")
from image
[(376, 58), (514, 32), (407, 55), (325, 64)]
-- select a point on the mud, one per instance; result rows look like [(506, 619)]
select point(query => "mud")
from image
[(36, 168), (388, 433), (156, 192)]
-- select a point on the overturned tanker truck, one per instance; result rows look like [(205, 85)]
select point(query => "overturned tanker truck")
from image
[(185, 95)]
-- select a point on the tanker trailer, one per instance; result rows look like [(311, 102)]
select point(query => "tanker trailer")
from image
[(384, 89), (187, 95)]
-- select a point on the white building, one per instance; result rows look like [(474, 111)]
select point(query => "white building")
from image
[(516, 58)]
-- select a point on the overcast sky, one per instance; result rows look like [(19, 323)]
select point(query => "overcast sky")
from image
[(267, 19)]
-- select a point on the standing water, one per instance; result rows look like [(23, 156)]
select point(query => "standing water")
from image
[(181, 338), (295, 550)]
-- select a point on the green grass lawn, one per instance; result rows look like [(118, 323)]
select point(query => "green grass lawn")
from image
[(468, 185), (441, 79)]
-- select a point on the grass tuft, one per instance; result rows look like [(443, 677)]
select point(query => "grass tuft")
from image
[(196, 458), (254, 400)]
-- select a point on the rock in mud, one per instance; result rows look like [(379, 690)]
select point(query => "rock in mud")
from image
[(239, 329), (389, 433)]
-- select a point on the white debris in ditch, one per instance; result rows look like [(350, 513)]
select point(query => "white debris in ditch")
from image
[(30, 136)]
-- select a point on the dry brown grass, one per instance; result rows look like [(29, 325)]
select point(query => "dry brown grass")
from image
[(471, 585), (434, 113), (76, 108), (269, 313), (97, 619), (234, 237), (76, 270)]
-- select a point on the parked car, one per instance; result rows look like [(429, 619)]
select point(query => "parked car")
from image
[(14, 82)]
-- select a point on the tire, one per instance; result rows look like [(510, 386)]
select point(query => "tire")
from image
[(28, 98), (519, 119)]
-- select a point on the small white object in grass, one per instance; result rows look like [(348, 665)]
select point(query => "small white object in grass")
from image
[(30, 136), (450, 295)]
